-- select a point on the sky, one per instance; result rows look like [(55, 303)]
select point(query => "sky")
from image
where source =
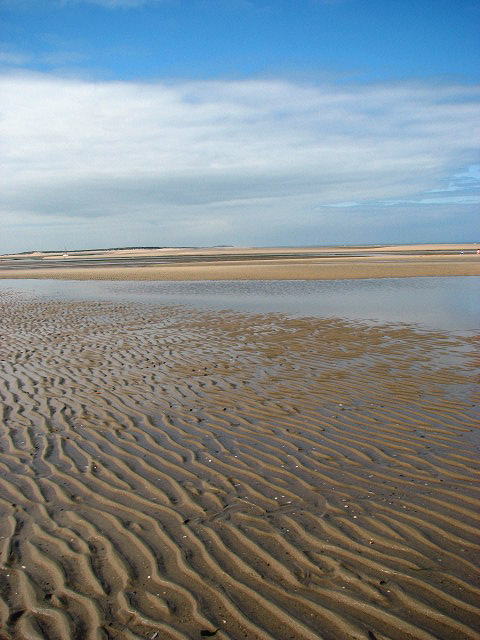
[(238, 122)]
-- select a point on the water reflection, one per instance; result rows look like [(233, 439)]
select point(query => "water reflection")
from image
[(451, 303)]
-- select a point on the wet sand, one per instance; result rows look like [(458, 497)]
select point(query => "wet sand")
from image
[(230, 263), (170, 473)]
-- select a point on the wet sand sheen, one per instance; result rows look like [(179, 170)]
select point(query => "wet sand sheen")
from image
[(173, 472)]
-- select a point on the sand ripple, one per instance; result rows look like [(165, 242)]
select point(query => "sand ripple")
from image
[(167, 473)]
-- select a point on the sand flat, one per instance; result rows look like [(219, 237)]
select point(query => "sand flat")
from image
[(228, 250), (248, 263), (174, 472)]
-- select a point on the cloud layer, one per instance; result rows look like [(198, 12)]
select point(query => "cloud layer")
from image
[(240, 161)]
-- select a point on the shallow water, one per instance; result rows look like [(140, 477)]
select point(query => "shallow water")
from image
[(447, 303)]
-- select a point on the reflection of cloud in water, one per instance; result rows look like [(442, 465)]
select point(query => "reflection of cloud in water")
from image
[(450, 303)]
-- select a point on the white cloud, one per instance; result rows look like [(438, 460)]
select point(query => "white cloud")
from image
[(240, 153)]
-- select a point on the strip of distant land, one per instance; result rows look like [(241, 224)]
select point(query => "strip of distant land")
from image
[(246, 263)]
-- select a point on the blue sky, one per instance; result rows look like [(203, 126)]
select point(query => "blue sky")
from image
[(246, 122)]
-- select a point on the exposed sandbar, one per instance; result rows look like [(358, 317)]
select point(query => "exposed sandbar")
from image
[(248, 264)]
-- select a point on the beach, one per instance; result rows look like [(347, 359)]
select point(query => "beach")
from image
[(180, 473), (239, 320), (233, 263)]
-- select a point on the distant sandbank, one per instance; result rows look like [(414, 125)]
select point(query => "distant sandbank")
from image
[(232, 263)]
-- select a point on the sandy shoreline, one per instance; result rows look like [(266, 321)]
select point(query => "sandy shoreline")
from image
[(248, 264), (174, 472)]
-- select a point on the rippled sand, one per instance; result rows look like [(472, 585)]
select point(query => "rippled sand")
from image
[(167, 473)]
